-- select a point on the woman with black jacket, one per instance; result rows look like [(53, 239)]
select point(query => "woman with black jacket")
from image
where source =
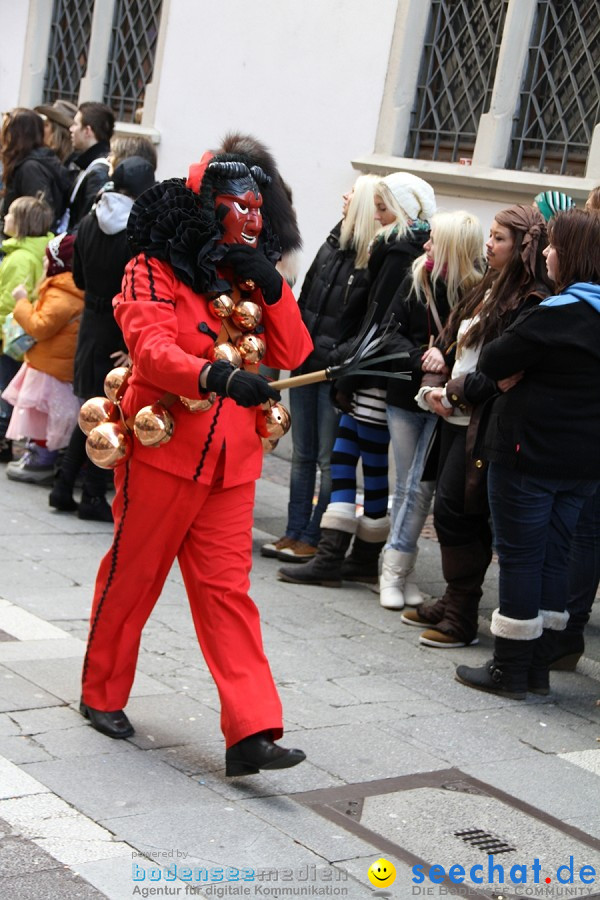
[(29, 168), (404, 204), (332, 302), (456, 389), (542, 442), (451, 265)]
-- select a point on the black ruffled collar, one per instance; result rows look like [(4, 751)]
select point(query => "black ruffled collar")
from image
[(167, 223)]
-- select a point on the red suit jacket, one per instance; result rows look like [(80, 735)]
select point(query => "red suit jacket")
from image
[(170, 332)]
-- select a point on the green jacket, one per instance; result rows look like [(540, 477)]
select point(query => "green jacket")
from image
[(22, 264)]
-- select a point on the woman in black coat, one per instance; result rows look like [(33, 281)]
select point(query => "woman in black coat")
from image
[(30, 168), (101, 254), (541, 440)]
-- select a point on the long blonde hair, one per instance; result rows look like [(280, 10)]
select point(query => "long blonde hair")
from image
[(359, 226), (458, 256), (401, 223)]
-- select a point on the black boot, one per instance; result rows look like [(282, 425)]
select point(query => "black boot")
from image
[(325, 568), (506, 674), (259, 752), (61, 495), (363, 562), (5, 451), (563, 649), (96, 509)]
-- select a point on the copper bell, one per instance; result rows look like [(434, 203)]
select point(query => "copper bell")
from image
[(252, 348), (228, 351), (223, 305), (96, 411), (108, 445), (114, 381), (200, 404), (247, 285), (247, 315), (153, 425), (268, 445), (277, 421)]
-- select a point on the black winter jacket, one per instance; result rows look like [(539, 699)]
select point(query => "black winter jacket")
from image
[(99, 261), (416, 327), (88, 189), (548, 424), (333, 301), (389, 263), (41, 170)]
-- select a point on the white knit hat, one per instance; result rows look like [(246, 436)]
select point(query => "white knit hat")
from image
[(414, 195)]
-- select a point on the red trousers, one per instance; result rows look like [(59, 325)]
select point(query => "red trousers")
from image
[(159, 517)]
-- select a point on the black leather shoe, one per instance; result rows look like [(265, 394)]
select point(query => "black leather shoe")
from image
[(258, 752), (114, 724)]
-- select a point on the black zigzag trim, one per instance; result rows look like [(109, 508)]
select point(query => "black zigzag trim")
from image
[(133, 268), (153, 295), (209, 438), (112, 570)]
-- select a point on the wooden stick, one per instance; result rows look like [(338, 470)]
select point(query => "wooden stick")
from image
[(298, 380)]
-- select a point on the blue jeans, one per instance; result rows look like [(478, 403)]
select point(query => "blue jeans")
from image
[(534, 521), (314, 424), (410, 434), (584, 564), (8, 369)]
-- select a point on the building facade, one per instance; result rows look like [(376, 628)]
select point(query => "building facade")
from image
[(489, 100)]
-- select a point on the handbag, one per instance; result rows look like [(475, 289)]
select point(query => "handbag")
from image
[(16, 342)]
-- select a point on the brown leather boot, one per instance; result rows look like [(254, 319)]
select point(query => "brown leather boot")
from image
[(464, 569)]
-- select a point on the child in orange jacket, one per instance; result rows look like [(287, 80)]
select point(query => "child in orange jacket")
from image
[(45, 407)]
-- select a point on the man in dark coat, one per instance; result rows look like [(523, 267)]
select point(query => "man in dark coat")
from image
[(91, 132)]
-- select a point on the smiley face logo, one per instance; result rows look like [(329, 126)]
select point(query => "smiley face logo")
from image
[(381, 873)]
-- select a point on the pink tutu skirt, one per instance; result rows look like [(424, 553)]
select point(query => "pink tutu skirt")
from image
[(45, 409)]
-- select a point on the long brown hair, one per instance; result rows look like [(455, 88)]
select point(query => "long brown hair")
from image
[(575, 235), (505, 290), (22, 131)]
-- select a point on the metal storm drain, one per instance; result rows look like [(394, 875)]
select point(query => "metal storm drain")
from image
[(483, 840), (452, 835)]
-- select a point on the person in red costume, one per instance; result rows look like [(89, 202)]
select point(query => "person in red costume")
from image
[(198, 243)]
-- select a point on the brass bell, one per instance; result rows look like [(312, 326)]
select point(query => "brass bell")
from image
[(247, 315), (252, 348), (198, 405), (96, 411), (247, 285), (223, 305), (268, 445), (277, 421), (229, 352), (108, 445), (153, 425), (114, 381)]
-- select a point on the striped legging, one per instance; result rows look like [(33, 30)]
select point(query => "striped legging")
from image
[(360, 440)]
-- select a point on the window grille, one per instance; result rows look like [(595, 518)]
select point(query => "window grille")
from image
[(131, 57), (559, 104), (455, 82), (68, 51)]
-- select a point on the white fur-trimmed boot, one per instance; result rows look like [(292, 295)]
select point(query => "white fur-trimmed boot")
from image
[(507, 673), (396, 589), (555, 622)]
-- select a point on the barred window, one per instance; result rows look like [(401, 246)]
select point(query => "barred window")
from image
[(68, 51), (559, 103), (456, 77), (131, 57)]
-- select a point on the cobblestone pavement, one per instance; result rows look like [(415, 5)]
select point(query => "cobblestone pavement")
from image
[(403, 763)]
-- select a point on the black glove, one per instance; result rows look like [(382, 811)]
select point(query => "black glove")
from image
[(245, 388), (247, 262)]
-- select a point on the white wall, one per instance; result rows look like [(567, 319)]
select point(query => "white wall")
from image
[(13, 25), (305, 77)]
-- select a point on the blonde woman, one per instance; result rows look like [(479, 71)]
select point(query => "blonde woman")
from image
[(451, 265), (332, 302), (404, 204)]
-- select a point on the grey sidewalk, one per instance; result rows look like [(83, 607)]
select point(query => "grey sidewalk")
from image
[(400, 758)]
